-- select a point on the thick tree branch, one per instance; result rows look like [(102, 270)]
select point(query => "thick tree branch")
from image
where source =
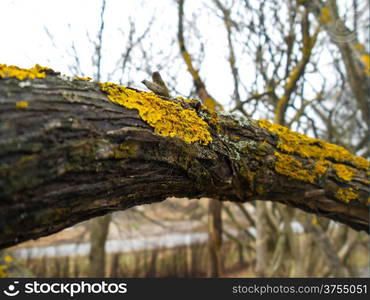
[(68, 153), (354, 55)]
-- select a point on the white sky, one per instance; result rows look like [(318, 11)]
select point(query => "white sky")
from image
[(25, 42), (22, 28)]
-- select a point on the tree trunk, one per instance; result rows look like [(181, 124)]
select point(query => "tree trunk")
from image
[(336, 266), (215, 236), (99, 229), (261, 240), (69, 153)]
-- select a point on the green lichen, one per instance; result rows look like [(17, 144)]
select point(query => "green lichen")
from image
[(246, 146), (260, 189), (127, 149), (166, 117)]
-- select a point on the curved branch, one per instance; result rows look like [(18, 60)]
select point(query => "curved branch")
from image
[(68, 153)]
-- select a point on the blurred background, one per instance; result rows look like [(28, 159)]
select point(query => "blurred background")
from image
[(302, 64)]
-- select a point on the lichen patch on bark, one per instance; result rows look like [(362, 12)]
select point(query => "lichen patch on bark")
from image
[(346, 194), (306, 147), (15, 72), (166, 117)]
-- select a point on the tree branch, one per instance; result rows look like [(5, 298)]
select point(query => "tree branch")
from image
[(69, 153)]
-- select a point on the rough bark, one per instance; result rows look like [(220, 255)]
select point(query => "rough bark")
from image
[(70, 154)]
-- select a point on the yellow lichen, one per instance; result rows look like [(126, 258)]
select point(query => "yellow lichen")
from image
[(359, 47), (325, 15), (346, 195), (289, 166), (366, 62), (210, 104), (3, 269), (8, 258), (13, 71), (306, 147), (344, 172), (82, 78), (166, 117), (321, 167), (21, 104)]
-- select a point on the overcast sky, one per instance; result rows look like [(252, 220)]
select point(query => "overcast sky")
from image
[(25, 41), (23, 25)]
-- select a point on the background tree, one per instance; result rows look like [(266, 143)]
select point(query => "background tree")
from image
[(99, 227)]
